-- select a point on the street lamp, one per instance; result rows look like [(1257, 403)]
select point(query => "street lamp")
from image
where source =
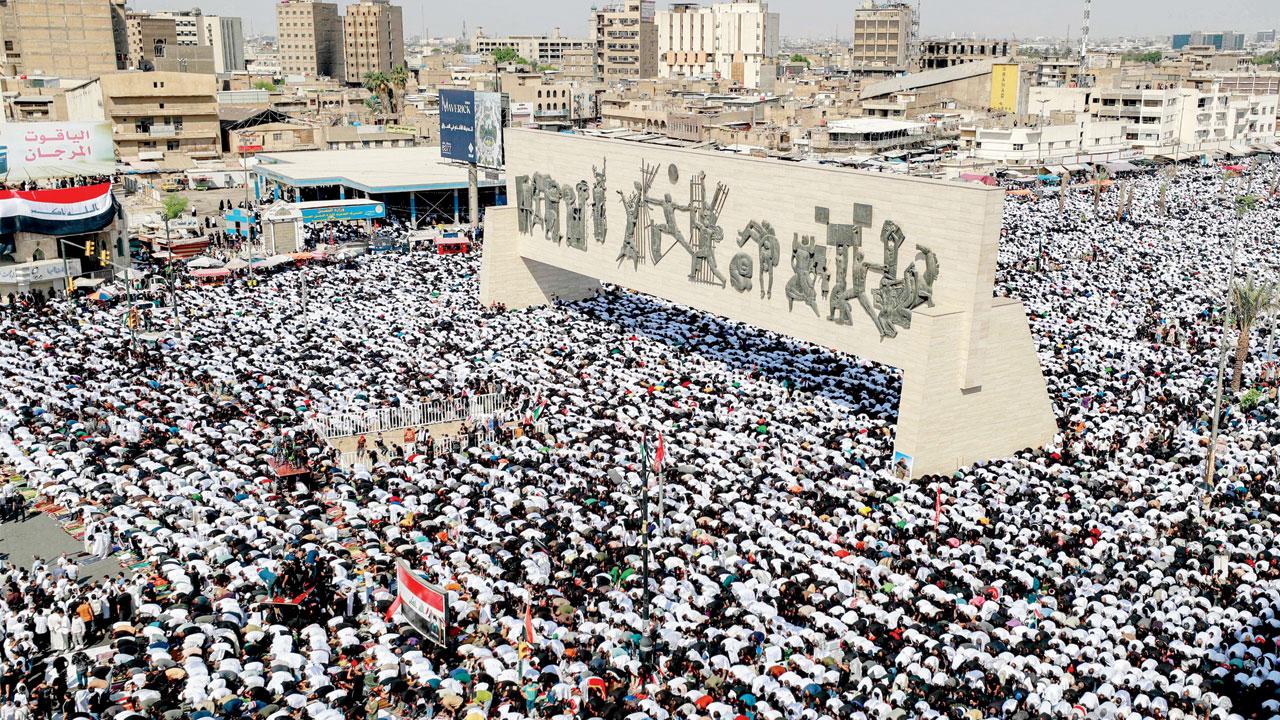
[(1222, 364)]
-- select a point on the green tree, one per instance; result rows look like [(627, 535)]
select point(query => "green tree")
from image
[(798, 58), (1250, 300), (504, 55), (379, 84), (397, 80), (1271, 58), (1151, 58), (267, 85), (172, 207)]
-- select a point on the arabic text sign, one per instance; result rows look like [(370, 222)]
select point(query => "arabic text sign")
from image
[(58, 143), (424, 606), (366, 211), (458, 125)]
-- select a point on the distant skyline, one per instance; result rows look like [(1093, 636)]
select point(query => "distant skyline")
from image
[(817, 18)]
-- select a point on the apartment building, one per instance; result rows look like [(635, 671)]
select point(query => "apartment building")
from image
[(309, 38), (148, 36), (70, 38), (882, 35), (735, 41), (538, 49), (170, 118), (579, 66), (937, 54), (373, 38), (626, 41), (225, 36)]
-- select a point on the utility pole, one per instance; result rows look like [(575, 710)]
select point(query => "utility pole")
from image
[(644, 527), (1211, 459)]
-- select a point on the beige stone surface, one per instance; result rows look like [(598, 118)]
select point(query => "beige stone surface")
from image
[(972, 385)]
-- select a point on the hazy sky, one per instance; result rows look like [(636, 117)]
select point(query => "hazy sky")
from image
[(1003, 18)]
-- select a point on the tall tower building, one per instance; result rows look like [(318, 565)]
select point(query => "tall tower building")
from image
[(309, 38), (373, 38), (626, 41), (735, 40), (70, 38), (882, 35)]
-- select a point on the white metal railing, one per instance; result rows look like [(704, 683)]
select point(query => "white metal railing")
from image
[(394, 418), (446, 444)]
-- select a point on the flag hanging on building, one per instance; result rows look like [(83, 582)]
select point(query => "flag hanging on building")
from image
[(60, 212)]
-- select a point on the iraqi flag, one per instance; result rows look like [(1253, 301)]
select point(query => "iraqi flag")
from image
[(61, 212), (659, 454)]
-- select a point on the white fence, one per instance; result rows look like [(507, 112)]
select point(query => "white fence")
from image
[(442, 445), (394, 418)]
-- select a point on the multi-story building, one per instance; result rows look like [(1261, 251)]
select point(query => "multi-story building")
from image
[(1150, 116), (626, 41), (937, 54), (187, 26), (735, 40), (882, 35), (225, 35), (538, 49), (1082, 139), (71, 38), (165, 117), (309, 38), (373, 38), (148, 36), (1224, 41), (579, 66)]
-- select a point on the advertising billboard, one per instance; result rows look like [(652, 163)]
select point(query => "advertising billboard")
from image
[(423, 605), (458, 125), (471, 127), (1005, 79), (57, 149)]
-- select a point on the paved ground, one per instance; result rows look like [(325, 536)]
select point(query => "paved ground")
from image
[(40, 535), (396, 437)]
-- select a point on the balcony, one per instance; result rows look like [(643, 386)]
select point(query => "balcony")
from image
[(164, 131)]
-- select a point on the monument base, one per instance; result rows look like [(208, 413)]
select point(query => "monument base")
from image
[(942, 425), (518, 282)]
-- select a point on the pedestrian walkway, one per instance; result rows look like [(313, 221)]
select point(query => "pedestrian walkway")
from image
[(39, 535)]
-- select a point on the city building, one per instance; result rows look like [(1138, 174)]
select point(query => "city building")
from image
[(868, 136), (148, 37), (1056, 146), (169, 118), (579, 66), (735, 40), (188, 25), (626, 41), (937, 54), (309, 38), (225, 36), (537, 49), (373, 38), (882, 35), (1225, 41), (71, 38)]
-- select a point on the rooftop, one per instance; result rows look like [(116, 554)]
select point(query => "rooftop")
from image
[(377, 171)]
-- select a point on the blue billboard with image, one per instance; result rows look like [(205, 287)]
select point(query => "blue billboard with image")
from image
[(458, 125)]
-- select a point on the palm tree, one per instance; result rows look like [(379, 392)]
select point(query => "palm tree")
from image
[(1249, 302), (398, 79), (377, 83)]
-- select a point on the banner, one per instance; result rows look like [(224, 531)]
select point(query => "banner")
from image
[(66, 211), (53, 149), (423, 605)]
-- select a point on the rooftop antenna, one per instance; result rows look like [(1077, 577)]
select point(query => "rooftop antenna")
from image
[(1084, 33)]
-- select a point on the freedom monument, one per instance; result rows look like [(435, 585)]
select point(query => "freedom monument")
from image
[(895, 269)]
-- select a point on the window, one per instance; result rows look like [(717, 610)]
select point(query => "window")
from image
[(171, 145), (277, 136), (1017, 146)]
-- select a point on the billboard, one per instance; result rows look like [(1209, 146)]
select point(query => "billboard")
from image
[(1005, 79), (424, 606), (57, 149), (471, 127)]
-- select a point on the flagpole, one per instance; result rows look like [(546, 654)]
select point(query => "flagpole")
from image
[(644, 521)]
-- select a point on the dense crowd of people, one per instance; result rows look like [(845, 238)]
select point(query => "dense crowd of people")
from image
[(785, 572)]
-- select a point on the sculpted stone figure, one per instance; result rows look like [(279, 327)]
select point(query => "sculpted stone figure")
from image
[(576, 215), (740, 271), (633, 203), (769, 253), (599, 223), (552, 195), (807, 259)]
